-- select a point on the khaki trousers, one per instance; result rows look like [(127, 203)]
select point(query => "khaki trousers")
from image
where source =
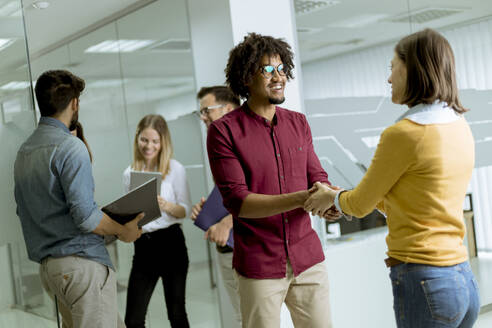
[(85, 289), (230, 281), (306, 297)]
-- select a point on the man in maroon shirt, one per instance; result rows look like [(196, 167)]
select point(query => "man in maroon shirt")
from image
[(263, 162)]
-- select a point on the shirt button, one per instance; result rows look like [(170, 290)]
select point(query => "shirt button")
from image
[(278, 154), (287, 242), (281, 177), (286, 220), (300, 148)]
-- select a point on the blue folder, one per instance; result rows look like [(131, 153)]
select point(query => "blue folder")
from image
[(212, 212)]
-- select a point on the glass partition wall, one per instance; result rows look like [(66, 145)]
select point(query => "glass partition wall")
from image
[(20, 285), (135, 62), (346, 49)]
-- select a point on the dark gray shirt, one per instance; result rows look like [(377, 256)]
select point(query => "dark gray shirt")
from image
[(54, 191)]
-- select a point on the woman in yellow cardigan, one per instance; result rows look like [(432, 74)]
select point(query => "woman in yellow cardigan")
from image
[(418, 178)]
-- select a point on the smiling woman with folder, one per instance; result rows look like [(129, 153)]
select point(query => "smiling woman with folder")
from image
[(152, 153)]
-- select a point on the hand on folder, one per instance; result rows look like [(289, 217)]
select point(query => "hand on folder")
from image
[(131, 231), (219, 232), (211, 216), (197, 208)]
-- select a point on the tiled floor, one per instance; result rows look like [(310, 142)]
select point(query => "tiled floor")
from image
[(19, 319), (482, 268), (202, 303), (201, 306)]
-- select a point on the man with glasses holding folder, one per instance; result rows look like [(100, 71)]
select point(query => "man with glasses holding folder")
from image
[(263, 162), (215, 102)]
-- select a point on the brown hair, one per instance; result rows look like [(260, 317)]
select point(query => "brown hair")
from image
[(221, 94), (245, 58), (158, 123), (79, 133), (56, 89), (431, 73)]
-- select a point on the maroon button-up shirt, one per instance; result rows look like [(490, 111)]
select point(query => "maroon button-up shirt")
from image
[(247, 155)]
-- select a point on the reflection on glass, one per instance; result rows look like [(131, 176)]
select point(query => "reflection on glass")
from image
[(136, 65), (20, 283), (345, 55)]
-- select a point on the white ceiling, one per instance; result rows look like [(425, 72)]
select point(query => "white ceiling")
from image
[(64, 20), (328, 23), (160, 73)]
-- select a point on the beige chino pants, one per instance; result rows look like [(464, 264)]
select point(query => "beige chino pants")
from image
[(85, 289), (306, 297), (230, 282)]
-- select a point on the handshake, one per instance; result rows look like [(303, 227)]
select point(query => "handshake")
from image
[(321, 201)]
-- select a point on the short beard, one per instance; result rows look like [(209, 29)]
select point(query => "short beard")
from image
[(275, 101), (74, 121)]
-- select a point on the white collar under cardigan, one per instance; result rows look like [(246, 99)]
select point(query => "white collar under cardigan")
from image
[(436, 113)]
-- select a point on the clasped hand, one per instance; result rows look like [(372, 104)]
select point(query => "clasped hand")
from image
[(321, 201)]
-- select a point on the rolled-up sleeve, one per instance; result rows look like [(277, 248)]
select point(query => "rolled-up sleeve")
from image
[(226, 168), (75, 171), (314, 169)]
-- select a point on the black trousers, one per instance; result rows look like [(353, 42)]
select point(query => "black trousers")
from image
[(163, 254)]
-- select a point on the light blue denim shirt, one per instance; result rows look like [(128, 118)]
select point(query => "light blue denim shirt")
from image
[(54, 191)]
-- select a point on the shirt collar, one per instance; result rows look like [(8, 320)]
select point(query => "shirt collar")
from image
[(257, 117), (436, 113), (53, 122)]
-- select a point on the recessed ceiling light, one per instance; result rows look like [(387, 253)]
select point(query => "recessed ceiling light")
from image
[(172, 45), (41, 4), (113, 46), (15, 85), (358, 21), (4, 43), (9, 9), (308, 6), (308, 30), (424, 15), (107, 83)]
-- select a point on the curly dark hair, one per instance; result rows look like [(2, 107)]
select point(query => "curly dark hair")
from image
[(244, 60)]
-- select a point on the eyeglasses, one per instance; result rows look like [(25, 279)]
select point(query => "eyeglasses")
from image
[(268, 70), (206, 110)]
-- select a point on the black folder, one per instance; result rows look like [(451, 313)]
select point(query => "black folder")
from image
[(127, 207)]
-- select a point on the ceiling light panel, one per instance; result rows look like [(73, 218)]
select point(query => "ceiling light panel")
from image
[(11, 9), (172, 45), (308, 30), (114, 46), (4, 43), (424, 15), (109, 83), (307, 6), (15, 85), (358, 21), (41, 4)]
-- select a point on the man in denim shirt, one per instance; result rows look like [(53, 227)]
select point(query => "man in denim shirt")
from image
[(63, 227)]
